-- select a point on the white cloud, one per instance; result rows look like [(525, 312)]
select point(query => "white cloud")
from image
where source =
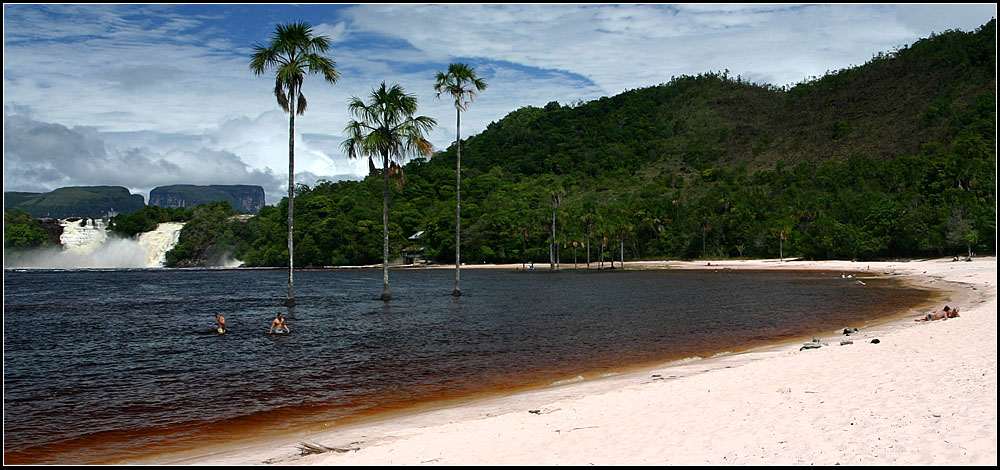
[(622, 47), (42, 156), (336, 32)]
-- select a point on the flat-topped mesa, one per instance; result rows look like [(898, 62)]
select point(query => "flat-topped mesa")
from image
[(75, 201), (245, 198)]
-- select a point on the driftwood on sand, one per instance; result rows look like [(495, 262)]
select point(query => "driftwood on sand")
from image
[(307, 448)]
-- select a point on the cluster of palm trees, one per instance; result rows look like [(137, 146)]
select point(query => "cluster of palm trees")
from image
[(383, 127)]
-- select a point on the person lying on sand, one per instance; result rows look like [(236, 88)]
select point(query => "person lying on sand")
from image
[(943, 314)]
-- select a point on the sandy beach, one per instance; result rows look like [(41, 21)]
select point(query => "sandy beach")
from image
[(923, 394)]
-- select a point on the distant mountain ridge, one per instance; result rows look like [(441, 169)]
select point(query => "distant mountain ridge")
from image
[(75, 201), (106, 201)]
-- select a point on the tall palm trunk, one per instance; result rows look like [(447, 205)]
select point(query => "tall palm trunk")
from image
[(524, 249), (588, 248), (552, 243), (385, 226), (290, 296), (458, 203)]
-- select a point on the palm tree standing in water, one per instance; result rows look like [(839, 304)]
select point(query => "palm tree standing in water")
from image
[(293, 52), (460, 82), (385, 128)]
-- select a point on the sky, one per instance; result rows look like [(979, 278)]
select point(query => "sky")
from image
[(147, 95)]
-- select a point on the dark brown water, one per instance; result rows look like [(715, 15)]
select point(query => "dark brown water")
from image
[(116, 365)]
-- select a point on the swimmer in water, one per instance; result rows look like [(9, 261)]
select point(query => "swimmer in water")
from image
[(278, 324)]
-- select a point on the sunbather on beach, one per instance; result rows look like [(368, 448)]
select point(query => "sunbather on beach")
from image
[(945, 313)]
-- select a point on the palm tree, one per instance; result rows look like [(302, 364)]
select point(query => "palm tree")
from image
[(555, 195), (386, 128), (588, 227), (781, 231), (293, 52), (462, 84)]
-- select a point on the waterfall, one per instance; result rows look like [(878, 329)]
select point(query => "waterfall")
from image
[(86, 244), (157, 243), (82, 237)]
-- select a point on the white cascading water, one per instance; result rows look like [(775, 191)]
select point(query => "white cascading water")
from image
[(87, 245), (83, 236), (158, 242)]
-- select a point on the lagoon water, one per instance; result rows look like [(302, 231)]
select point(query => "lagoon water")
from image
[(111, 366)]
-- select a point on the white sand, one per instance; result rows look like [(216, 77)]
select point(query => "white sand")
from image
[(925, 395)]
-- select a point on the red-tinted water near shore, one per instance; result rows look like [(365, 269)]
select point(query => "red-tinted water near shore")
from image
[(115, 366)]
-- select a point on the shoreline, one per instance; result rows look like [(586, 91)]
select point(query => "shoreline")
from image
[(612, 413)]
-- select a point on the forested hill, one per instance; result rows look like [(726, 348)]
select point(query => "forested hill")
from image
[(892, 106), (893, 158)]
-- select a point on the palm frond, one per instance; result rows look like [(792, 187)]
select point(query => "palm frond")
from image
[(279, 93), (396, 174), (300, 107)]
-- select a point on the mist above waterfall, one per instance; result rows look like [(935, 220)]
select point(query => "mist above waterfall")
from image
[(86, 244)]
